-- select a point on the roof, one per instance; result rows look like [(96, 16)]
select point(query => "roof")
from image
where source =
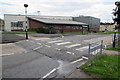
[(57, 21), (106, 23)]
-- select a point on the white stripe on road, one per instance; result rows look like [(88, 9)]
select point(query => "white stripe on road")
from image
[(6, 54), (63, 43), (47, 46), (52, 71), (70, 53), (27, 40), (84, 57), (39, 43), (76, 61), (55, 41), (58, 49), (83, 48), (74, 45), (37, 48)]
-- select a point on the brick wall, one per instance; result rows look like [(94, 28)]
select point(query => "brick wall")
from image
[(36, 24)]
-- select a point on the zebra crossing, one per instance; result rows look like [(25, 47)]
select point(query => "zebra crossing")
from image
[(80, 47), (68, 44), (58, 48), (73, 45)]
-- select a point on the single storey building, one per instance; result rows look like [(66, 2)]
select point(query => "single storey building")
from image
[(59, 25)]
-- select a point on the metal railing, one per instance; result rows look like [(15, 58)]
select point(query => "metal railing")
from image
[(96, 48)]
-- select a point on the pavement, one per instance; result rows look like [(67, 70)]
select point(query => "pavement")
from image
[(77, 73), (58, 56), (10, 38), (111, 52)]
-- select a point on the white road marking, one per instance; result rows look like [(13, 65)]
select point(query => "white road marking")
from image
[(39, 43), (63, 43), (70, 53), (84, 57), (37, 48), (6, 54), (58, 49), (55, 41), (42, 39), (83, 48), (47, 46), (52, 71), (27, 40), (76, 61), (74, 45)]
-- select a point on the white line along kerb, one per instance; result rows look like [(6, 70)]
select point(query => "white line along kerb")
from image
[(77, 60), (84, 57), (49, 73)]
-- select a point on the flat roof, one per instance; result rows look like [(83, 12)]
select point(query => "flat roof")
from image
[(57, 21)]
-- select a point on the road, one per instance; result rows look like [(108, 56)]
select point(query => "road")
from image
[(53, 57)]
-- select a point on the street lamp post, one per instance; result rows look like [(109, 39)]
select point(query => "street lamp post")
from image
[(26, 5)]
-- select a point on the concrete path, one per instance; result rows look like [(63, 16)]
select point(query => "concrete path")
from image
[(111, 52), (78, 74)]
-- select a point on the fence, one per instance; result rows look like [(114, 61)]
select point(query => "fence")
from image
[(96, 48)]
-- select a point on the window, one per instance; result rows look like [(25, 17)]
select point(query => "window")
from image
[(56, 27), (67, 26), (45, 26), (17, 25)]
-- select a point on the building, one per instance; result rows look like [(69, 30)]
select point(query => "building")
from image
[(17, 22), (107, 26), (1, 24), (94, 23), (57, 24)]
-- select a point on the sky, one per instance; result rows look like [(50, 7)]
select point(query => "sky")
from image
[(97, 8)]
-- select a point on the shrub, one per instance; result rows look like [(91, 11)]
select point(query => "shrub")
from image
[(46, 31), (40, 30)]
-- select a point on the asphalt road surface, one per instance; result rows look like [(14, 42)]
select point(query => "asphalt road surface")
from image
[(55, 57)]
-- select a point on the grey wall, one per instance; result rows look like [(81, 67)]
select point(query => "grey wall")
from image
[(92, 21)]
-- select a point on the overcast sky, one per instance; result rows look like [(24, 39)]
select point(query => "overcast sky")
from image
[(97, 8)]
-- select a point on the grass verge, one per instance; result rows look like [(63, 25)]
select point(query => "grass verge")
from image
[(108, 32), (19, 32), (117, 48), (103, 66), (75, 32)]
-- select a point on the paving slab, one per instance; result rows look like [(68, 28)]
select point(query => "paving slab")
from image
[(78, 74)]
